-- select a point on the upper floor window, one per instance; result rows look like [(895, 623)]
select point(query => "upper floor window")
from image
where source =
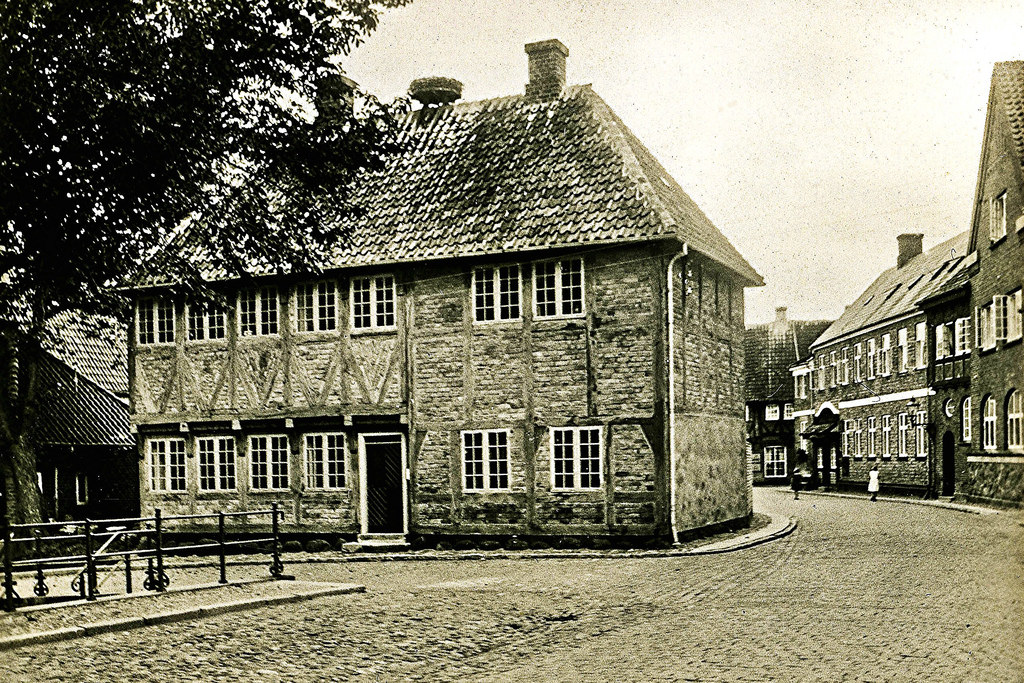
[(902, 350), (558, 288), (496, 294), (988, 423), (1014, 323), (771, 411), (871, 358), (997, 218), (887, 436), (966, 420), (787, 411), (373, 302), (576, 457), (775, 461), (962, 336), (315, 307), (268, 459), (485, 461), (901, 442), (920, 433), (206, 322), (258, 311), (155, 321), (920, 343), (216, 463), (833, 369), (885, 357), (166, 465), (325, 461), (872, 437), (1015, 421), (943, 341), (845, 365)]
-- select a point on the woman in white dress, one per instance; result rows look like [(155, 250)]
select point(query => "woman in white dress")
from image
[(873, 482)]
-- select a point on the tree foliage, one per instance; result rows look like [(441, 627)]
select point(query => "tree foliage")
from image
[(124, 121)]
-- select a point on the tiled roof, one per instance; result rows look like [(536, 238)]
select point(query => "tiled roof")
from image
[(897, 290), (74, 411), (513, 175), (1008, 79), (95, 347), (768, 352)]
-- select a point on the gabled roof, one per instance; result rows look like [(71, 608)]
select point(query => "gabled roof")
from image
[(515, 175), (95, 347), (770, 349), (897, 290), (1005, 99), (76, 412)]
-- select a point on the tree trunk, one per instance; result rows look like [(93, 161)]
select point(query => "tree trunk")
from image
[(23, 491)]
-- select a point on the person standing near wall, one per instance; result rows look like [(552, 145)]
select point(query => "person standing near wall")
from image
[(873, 482)]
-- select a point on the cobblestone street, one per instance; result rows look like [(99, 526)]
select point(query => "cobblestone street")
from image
[(861, 591)]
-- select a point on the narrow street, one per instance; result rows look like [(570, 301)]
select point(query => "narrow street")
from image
[(861, 591)]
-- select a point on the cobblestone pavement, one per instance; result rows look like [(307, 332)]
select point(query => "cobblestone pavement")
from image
[(861, 591)]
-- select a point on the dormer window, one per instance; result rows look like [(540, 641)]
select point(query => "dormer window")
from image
[(997, 218)]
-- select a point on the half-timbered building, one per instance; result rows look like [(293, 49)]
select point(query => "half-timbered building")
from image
[(533, 330)]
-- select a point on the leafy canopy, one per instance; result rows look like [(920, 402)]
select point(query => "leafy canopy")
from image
[(121, 121)]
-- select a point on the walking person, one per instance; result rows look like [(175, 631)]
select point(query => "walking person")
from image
[(796, 482), (873, 482)]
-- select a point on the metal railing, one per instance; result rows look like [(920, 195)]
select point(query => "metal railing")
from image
[(24, 550)]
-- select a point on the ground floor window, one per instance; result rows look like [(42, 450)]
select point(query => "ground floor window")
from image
[(325, 461), (166, 465), (216, 463), (988, 423), (775, 461), (268, 456), (576, 457), (81, 489), (485, 461), (1014, 419)]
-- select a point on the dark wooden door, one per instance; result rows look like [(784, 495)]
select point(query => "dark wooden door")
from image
[(384, 499), (948, 465)]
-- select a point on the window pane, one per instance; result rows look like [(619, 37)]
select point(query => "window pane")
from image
[(326, 313), (335, 461), (497, 460), (483, 294), (304, 321), (590, 458), (473, 460), (258, 462), (385, 301), (572, 287), (164, 322), (562, 458), (147, 325), (247, 313), (508, 289), (268, 310), (196, 323), (544, 290), (361, 303), (314, 461), (176, 465)]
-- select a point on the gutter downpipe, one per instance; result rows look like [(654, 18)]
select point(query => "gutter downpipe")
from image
[(672, 392)]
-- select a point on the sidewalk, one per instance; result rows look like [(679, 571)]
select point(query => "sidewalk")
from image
[(948, 505)]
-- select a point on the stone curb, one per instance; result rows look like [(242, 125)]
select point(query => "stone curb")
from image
[(748, 541), (957, 507), (127, 624)]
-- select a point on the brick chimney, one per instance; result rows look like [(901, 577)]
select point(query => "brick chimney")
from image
[(547, 69), (780, 314), (910, 246)]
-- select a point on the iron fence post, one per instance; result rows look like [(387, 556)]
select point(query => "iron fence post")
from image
[(160, 585), (276, 567), (8, 565), (128, 573), (40, 589), (88, 581), (220, 540)]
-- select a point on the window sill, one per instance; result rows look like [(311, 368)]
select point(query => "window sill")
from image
[(598, 489), (253, 337), (320, 492), (316, 334), (485, 492), (370, 331), (558, 318), (502, 321), (992, 244)]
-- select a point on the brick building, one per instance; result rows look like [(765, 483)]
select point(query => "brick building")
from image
[(533, 331), (769, 351), (993, 419), (863, 396)]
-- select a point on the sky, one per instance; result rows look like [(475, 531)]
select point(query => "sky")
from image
[(811, 133)]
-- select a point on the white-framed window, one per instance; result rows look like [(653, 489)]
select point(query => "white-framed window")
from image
[(206, 322), (558, 288), (845, 365), (1014, 322), (920, 434), (901, 444), (885, 357), (871, 358), (858, 362), (485, 460), (576, 458), (833, 369), (216, 456), (997, 218), (943, 341), (858, 433), (966, 420), (787, 411), (1000, 317), (1015, 421), (988, 423), (496, 294), (373, 302), (774, 461), (258, 312), (986, 327), (316, 308), (166, 465), (887, 436), (820, 367), (81, 489), (155, 321), (872, 437), (268, 459), (771, 412), (847, 437), (324, 457), (902, 350), (962, 336), (921, 343)]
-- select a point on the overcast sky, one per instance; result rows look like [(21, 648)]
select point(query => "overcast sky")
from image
[(811, 133)]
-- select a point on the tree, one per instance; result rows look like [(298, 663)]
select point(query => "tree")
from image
[(126, 124)]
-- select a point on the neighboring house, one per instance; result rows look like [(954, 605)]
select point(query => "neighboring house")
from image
[(534, 331), (769, 351), (995, 464), (863, 396), (86, 459)]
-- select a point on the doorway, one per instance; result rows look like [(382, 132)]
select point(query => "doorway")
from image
[(383, 493), (948, 464)]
